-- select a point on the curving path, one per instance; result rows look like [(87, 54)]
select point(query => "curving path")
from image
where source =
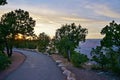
[(36, 67)]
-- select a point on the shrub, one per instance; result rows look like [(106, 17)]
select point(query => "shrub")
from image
[(116, 69), (31, 46), (99, 57), (1, 47), (65, 55), (78, 59), (4, 61), (41, 49), (114, 63)]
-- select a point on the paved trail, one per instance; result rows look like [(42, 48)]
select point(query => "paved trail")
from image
[(36, 67)]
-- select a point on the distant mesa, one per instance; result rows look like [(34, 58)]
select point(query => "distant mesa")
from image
[(86, 47)]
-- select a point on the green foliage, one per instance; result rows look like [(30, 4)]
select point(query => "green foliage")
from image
[(1, 47), (43, 42), (99, 57), (30, 44), (3, 2), (1, 44), (78, 59), (106, 58), (17, 21), (108, 54), (111, 39), (51, 47), (4, 61), (68, 37), (112, 35), (64, 45), (113, 63), (14, 23), (72, 32)]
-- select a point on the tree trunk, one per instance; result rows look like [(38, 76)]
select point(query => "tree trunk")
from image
[(69, 55), (11, 46), (10, 54), (7, 47)]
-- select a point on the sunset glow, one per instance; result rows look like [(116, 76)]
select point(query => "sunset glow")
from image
[(52, 14), (19, 36)]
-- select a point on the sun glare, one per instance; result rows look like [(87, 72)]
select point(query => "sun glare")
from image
[(19, 36)]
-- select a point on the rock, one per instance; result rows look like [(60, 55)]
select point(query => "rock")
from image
[(67, 72), (70, 78), (89, 63), (63, 68), (61, 65), (58, 61), (100, 73)]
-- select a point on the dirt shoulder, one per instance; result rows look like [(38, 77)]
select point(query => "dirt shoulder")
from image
[(84, 74), (17, 59)]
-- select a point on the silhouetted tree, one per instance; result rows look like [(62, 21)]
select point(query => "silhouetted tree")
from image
[(3, 2), (1, 43), (13, 23), (68, 37), (43, 42), (109, 51), (112, 41), (99, 56), (112, 35), (51, 46)]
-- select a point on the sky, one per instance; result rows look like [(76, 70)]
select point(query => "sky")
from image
[(52, 14)]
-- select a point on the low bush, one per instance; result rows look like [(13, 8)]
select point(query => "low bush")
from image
[(31, 46), (26, 44), (78, 59), (4, 61), (1, 47)]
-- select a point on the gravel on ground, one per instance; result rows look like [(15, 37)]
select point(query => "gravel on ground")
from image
[(84, 74)]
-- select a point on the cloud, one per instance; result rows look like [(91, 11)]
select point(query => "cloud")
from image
[(103, 10), (49, 29), (94, 35), (73, 18), (49, 19)]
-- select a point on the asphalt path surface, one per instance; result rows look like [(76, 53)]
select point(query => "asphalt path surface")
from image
[(37, 66)]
